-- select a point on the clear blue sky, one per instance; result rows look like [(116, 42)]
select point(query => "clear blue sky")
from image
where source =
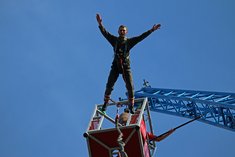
[(54, 65)]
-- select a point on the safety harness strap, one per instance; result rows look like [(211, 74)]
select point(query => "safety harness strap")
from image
[(125, 55)]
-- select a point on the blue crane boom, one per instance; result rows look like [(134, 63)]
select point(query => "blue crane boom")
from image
[(215, 108)]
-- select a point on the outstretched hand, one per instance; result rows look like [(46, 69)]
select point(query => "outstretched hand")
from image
[(156, 26), (99, 19)]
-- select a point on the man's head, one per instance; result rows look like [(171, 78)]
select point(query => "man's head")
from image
[(122, 31)]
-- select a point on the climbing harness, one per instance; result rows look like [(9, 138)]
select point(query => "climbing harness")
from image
[(121, 56), (122, 59), (124, 51)]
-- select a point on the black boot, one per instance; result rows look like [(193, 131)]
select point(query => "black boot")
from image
[(103, 109), (131, 108), (106, 100), (131, 105)]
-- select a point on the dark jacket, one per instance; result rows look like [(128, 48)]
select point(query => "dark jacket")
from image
[(122, 47)]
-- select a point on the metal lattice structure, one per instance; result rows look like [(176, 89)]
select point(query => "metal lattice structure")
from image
[(108, 137), (215, 108)]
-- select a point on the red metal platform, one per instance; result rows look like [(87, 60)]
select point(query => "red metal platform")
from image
[(102, 142)]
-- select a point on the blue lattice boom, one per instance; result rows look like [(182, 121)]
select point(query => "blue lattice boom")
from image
[(215, 108)]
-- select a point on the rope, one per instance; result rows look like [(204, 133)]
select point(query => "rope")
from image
[(119, 139)]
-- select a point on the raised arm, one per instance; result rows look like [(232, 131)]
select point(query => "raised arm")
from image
[(135, 40), (155, 27), (111, 38), (99, 19)]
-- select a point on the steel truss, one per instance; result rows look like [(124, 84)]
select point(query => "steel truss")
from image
[(215, 108)]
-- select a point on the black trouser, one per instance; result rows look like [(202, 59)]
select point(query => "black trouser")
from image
[(127, 77)]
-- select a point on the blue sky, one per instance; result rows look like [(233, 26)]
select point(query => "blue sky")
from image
[(54, 65)]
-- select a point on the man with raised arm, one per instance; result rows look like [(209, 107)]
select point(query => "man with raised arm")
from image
[(121, 62)]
